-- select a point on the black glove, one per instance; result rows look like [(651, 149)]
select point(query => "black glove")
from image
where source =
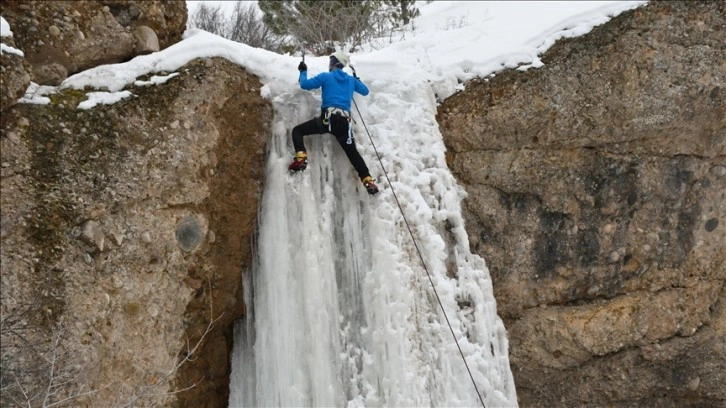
[(302, 67)]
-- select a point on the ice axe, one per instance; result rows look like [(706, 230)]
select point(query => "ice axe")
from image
[(302, 66), (301, 45)]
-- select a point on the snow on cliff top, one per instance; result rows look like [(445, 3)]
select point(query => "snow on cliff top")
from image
[(452, 42)]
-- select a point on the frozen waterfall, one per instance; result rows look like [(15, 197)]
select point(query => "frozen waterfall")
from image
[(340, 311)]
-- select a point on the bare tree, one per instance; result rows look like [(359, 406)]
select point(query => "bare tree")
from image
[(243, 25), (209, 18), (336, 24), (36, 369), (322, 25), (189, 354)]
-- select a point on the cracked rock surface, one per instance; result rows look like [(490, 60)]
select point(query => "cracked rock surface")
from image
[(597, 195)]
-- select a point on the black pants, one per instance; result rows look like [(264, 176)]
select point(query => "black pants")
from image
[(339, 128)]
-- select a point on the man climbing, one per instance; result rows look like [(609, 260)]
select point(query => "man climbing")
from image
[(338, 88)]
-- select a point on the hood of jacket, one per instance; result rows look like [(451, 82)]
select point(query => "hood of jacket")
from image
[(339, 75)]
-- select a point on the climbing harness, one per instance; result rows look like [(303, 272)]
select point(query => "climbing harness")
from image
[(418, 250), (340, 112)]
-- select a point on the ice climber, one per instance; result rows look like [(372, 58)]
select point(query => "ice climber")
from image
[(338, 87)]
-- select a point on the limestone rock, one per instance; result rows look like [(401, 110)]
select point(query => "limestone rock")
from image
[(93, 235), (595, 191), (77, 35), (49, 72), (168, 19), (146, 40), (15, 75), (105, 224)]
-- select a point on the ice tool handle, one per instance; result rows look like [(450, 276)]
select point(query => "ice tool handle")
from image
[(350, 125)]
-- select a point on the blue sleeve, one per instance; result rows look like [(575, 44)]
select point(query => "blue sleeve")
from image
[(312, 83), (360, 87)]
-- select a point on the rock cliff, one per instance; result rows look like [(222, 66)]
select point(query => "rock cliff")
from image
[(126, 228), (597, 194), (61, 38)]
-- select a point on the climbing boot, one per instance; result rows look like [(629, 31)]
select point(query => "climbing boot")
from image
[(299, 163), (370, 186)]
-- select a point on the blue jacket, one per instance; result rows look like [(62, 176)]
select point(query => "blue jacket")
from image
[(338, 87)]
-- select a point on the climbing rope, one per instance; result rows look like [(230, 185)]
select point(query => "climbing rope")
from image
[(418, 250)]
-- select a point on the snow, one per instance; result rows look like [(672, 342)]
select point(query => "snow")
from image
[(5, 28), (103, 98), (36, 94), (341, 311), (10, 50), (156, 80), (5, 32)]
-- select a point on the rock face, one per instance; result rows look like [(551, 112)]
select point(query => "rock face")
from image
[(125, 231), (15, 71), (61, 38), (597, 195)]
